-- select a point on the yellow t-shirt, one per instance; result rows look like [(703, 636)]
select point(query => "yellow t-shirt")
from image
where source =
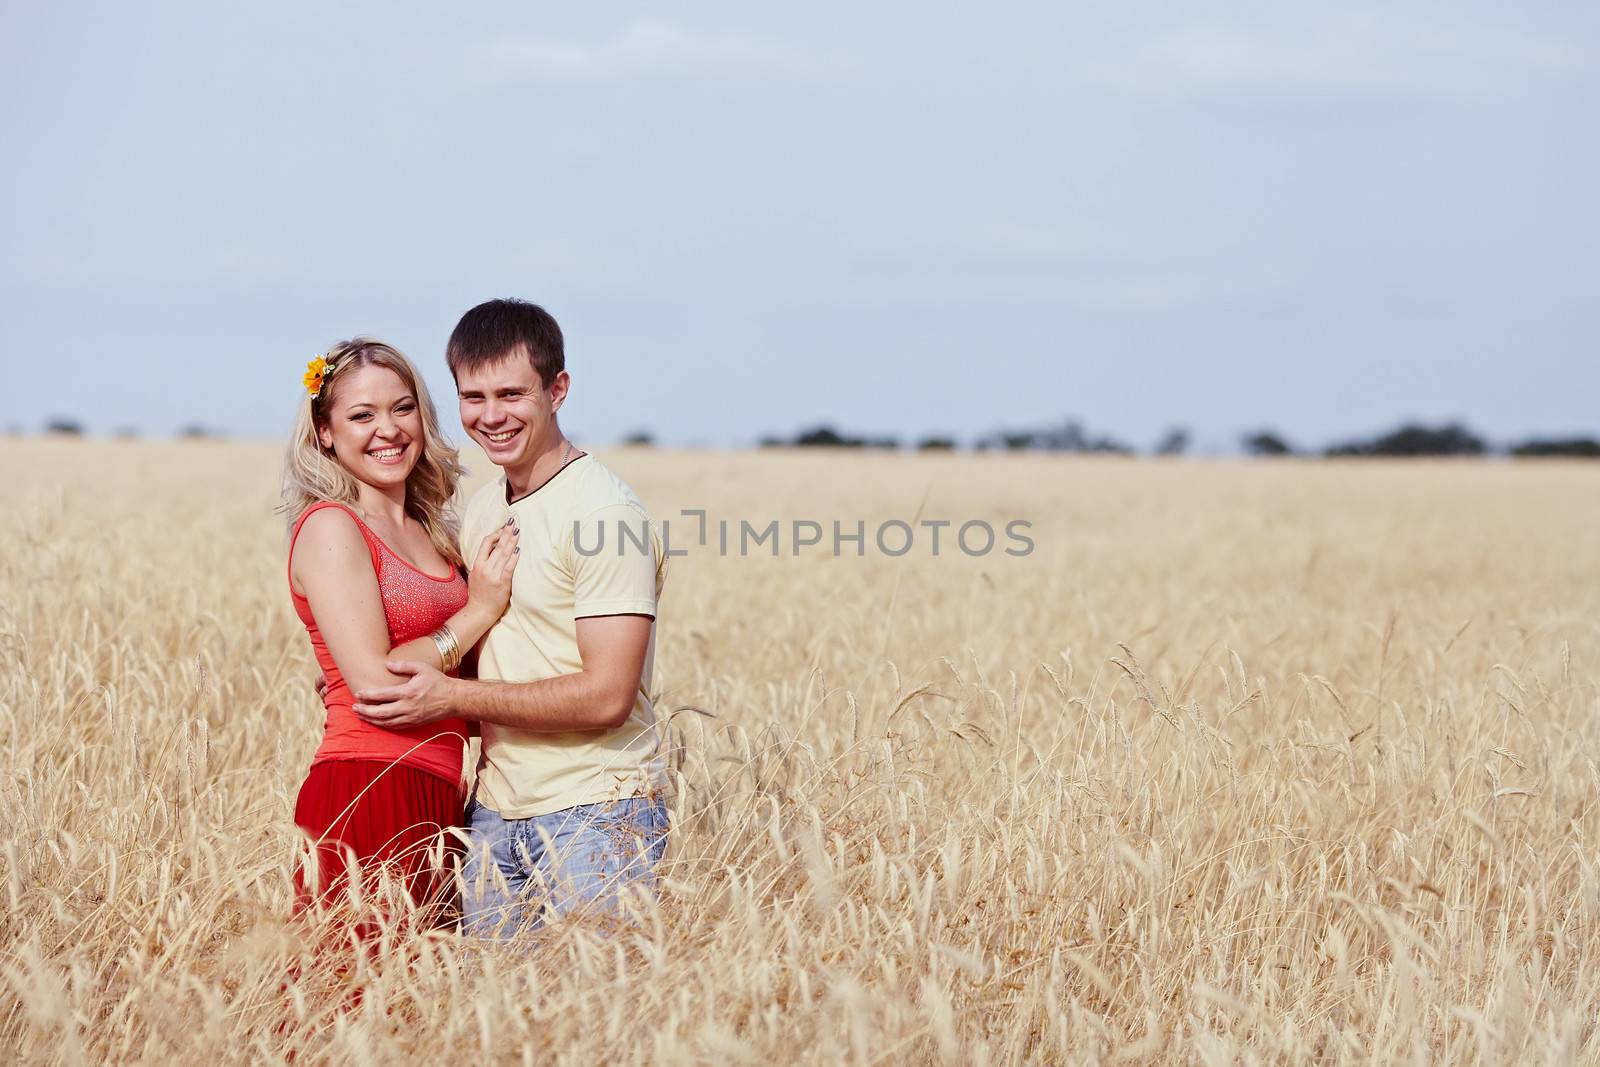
[(587, 549)]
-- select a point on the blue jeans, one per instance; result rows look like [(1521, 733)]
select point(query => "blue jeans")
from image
[(518, 872)]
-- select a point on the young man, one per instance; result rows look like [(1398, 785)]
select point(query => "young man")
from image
[(567, 809)]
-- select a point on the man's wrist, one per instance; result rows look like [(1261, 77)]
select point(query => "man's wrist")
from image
[(457, 693)]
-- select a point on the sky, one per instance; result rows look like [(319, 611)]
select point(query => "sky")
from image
[(899, 218)]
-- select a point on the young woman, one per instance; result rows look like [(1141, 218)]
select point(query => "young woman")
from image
[(376, 575)]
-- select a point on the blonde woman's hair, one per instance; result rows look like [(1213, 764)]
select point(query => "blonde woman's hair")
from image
[(311, 473)]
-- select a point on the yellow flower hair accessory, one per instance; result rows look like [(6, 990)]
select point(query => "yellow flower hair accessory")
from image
[(316, 371)]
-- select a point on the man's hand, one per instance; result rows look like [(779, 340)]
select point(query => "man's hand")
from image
[(425, 698)]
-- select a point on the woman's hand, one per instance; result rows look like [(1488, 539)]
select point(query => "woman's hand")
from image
[(489, 582)]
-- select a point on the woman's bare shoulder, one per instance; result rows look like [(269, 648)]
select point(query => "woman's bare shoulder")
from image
[(329, 540)]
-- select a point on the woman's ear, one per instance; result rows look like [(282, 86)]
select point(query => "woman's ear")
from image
[(325, 437)]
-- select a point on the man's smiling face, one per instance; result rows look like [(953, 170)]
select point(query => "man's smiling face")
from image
[(508, 410)]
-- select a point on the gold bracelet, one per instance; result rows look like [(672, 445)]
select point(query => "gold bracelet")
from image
[(455, 647), (444, 639), (454, 658)]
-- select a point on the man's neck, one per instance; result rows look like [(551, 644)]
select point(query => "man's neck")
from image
[(524, 480)]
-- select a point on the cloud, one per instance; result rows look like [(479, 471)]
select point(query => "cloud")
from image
[(645, 49), (1347, 57)]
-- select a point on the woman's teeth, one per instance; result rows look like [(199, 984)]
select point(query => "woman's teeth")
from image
[(386, 455)]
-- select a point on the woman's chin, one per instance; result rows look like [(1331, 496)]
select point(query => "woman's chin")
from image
[(385, 476), (396, 475)]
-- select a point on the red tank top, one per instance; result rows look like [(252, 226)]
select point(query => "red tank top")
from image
[(414, 605)]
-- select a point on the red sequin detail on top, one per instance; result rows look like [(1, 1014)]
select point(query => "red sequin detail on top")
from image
[(414, 605)]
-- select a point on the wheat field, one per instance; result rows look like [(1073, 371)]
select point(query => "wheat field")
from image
[(1244, 763)]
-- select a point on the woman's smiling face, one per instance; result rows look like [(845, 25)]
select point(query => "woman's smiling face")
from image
[(373, 427)]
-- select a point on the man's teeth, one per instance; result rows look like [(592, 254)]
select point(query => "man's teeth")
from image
[(501, 438)]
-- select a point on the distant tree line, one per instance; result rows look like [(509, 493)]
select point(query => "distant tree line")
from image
[(1582, 447), (1417, 439), (1410, 439), (1068, 437), (827, 437), (62, 426)]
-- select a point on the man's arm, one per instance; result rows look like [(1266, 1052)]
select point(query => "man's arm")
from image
[(598, 697)]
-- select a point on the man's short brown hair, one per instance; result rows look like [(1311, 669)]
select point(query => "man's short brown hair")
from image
[(496, 329)]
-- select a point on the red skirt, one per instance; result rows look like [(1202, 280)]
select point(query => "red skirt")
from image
[(381, 819)]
